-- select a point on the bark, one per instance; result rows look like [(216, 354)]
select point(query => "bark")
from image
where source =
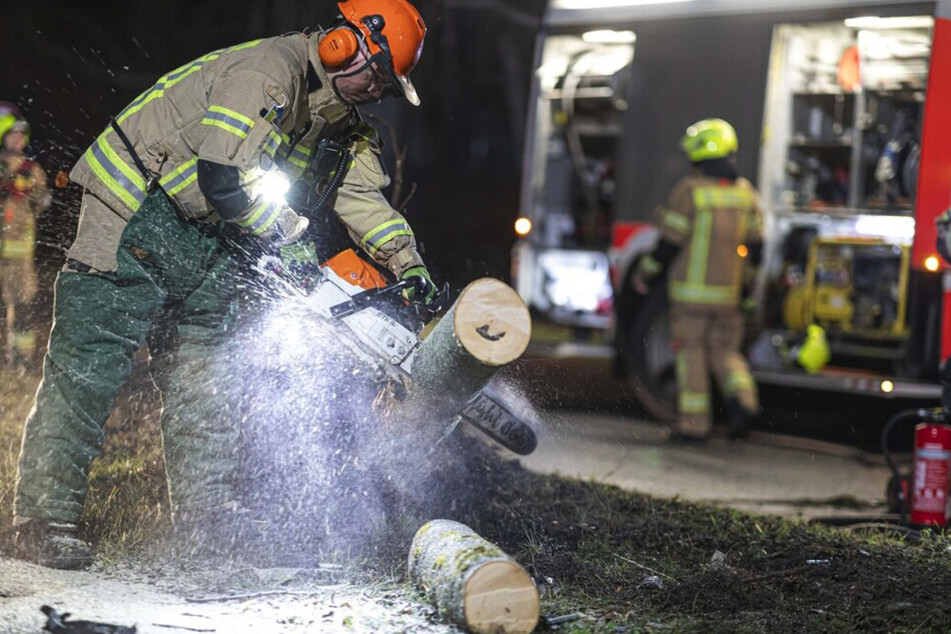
[(487, 328), (472, 583)]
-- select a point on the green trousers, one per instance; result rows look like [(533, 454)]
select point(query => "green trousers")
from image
[(173, 288)]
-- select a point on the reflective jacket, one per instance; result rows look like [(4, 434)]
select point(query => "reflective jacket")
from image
[(23, 197), (710, 220), (246, 106)]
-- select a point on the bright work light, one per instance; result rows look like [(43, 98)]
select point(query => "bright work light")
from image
[(273, 186)]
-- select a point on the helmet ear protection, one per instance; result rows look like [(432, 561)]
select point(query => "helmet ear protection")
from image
[(338, 47)]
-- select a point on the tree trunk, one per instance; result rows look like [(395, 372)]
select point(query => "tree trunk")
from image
[(471, 581), (487, 328)]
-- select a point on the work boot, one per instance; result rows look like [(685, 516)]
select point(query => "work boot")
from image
[(225, 531), (51, 544), (737, 419)]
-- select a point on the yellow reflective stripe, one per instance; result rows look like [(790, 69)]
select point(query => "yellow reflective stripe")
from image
[(380, 235), (24, 340), (722, 197), (273, 143), (228, 120), (267, 223), (262, 217), (17, 249), (238, 47), (693, 403), (180, 178), (177, 75), (121, 179), (700, 247), (167, 81), (675, 220), (226, 127), (232, 114), (736, 381), (254, 215), (703, 293), (296, 161)]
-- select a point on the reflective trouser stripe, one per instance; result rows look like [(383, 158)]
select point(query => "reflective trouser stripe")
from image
[(693, 403), (24, 341), (17, 249), (689, 402), (377, 237), (736, 381), (703, 293)]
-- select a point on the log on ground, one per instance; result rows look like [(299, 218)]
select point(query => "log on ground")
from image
[(471, 581)]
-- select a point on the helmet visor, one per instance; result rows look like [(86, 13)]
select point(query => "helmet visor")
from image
[(396, 85)]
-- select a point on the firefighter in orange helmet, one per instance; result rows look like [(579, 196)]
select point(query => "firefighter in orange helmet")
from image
[(177, 188), (709, 226), (23, 197)]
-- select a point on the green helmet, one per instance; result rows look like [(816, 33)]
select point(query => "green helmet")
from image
[(10, 122), (709, 139)]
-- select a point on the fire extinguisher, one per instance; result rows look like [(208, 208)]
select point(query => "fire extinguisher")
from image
[(922, 497)]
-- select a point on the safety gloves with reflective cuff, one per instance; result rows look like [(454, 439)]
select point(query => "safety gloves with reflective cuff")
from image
[(275, 223), (423, 286)]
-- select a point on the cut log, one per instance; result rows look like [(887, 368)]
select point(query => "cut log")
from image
[(487, 328), (471, 581)]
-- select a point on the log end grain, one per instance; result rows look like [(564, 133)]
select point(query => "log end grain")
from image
[(492, 322), (500, 597)]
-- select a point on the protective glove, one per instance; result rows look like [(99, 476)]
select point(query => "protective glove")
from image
[(285, 229), (300, 258), (423, 284)]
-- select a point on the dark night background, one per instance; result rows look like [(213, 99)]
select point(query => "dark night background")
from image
[(70, 66)]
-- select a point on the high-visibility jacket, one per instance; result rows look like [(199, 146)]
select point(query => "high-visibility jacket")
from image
[(246, 106), (23, 196), (711, 220)]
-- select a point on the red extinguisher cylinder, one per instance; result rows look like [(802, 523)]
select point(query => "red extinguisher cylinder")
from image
[(932, 467)]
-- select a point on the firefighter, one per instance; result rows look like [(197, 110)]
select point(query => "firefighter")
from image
[(175, 191), (23, 197), (709, 226)]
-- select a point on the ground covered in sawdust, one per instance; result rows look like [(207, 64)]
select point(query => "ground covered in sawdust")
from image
[(607, 560)]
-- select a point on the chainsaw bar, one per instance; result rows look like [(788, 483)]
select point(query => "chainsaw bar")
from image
[(496, 421)]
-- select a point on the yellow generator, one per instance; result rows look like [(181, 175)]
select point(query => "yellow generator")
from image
[(852, 286)]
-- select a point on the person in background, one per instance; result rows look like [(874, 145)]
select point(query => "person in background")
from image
[(178, 188), (23, 197), (709, 228)]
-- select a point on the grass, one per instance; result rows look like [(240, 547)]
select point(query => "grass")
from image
[(615, 560)]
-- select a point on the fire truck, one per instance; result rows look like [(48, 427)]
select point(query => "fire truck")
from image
[(842, 112)]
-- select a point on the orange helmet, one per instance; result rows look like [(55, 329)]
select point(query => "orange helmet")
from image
[(392, 30)]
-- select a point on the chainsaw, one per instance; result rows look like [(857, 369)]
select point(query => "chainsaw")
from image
[(381, 328)]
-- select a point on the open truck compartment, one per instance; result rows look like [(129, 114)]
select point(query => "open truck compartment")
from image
[(829, 104)]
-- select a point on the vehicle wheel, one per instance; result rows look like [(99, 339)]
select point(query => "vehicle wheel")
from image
[(644, 350)]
